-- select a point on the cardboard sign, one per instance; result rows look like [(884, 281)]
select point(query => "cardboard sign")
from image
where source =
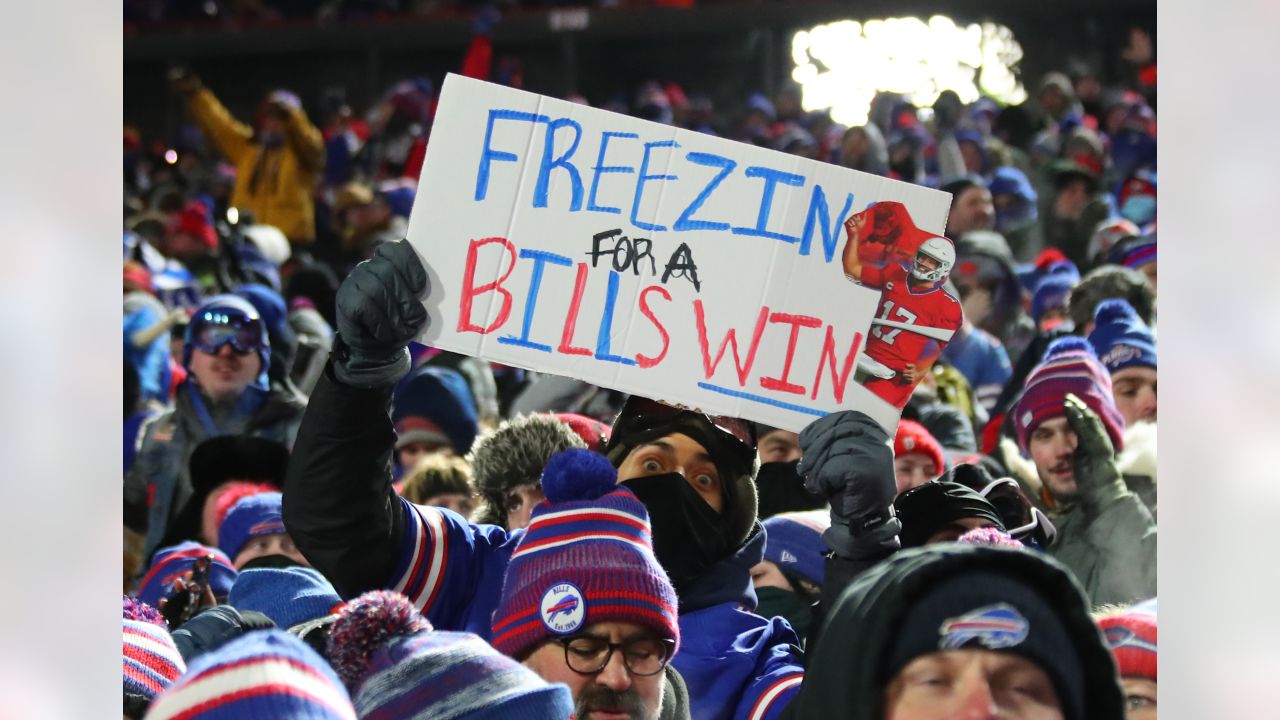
[(657, 261)]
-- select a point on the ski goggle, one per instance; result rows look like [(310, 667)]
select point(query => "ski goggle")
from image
[(1021, 518), (215, 327)]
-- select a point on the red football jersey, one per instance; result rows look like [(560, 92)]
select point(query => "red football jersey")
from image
[(934, 307)]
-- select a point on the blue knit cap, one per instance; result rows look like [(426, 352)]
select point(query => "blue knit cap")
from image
[(435, 403), (1051, 292), (250, 517), (793, 542), (1120, 337), (289, 596), (262, 674)]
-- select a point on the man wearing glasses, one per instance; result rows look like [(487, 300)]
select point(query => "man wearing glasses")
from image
[(227, 354)]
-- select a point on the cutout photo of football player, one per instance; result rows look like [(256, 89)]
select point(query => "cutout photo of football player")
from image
[(916, 317)]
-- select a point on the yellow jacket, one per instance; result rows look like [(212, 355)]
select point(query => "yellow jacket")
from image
[(274, 184)]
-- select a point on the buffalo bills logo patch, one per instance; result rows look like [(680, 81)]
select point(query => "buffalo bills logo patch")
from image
[(563, 608), (992, 626), (1122, 637)]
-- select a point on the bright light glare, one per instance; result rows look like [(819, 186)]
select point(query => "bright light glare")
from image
[(170, 156), (842, 65)]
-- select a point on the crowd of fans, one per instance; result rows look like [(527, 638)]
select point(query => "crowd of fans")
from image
[(324, 518)]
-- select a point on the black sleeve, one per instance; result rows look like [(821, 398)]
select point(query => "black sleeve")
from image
[(838, 574), (339, 506)]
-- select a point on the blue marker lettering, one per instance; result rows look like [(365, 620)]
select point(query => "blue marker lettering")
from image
[(685, 221), (601, 169), (540, 259), (548, 164), (771, 179), (488, 155), (819, 217), (644, 177)]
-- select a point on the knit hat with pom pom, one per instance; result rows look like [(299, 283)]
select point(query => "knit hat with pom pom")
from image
[(396, 666), (1131, 635), (151, 660), (586, 558), (1069, 366), (1120, 337)]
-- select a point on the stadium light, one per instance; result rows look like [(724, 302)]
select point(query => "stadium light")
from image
[(842, 65)]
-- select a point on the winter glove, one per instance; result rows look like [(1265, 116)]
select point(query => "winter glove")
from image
[(380, 310), (215, 626), (1098, 479), (848, 458)]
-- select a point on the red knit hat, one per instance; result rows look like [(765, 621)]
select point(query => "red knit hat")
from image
[(193, 220), (1069, 366), (586, 558), (912, 437), (1132, 639)]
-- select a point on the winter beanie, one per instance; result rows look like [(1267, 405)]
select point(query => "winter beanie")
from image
[(586, 558), (1051, 294), (289, 596), (1134, 252), (515, 454), (1069, 366), (250, 517), (992, 611), (1120, 338), (912, 437), (216, 311), (730, 442), (396, 666), (173, 562), (434, 404), (793, 542), (593, 432), (1132, 638), (151, 660), (928, 508), (262, 674)]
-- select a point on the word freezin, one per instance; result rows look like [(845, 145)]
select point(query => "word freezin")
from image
[(829, 378), (596, 188)]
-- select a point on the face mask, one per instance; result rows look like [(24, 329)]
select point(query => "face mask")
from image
[(1139, 209), (781, 489), (776, 602), (689, 536)]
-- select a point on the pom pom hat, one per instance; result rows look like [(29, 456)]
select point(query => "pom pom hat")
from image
[(396, 666), (586, 558), (1069, 366), (1120, 337), (151, 660)]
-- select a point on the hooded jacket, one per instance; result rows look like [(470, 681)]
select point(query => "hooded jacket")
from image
[(1007, 320), (273, 183), (342, 512), (845, 665)]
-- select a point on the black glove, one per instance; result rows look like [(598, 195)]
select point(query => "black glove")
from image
[(848, 458), (380, 310), (214, 627), (1098, 479)]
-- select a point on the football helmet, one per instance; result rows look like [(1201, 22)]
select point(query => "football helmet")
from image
[(938, 249)]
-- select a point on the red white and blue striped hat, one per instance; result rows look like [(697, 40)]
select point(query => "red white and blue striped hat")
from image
[(1069, 366), (586, 558), (175, 561), (263, 674), (151, 660)]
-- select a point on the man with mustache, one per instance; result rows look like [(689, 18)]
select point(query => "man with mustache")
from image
[(1067, 421)]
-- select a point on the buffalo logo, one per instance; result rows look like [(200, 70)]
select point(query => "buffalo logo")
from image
[(1119, 354), (992, 626), (1122, 637), (563, 608)]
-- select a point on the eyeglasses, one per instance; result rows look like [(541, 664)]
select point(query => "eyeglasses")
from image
[(643, 656), (213, 328), (1014, 508), (640, 414)]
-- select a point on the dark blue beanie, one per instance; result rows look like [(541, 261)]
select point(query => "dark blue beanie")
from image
[(1051, 292), (1120, 337), (440, 397)]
